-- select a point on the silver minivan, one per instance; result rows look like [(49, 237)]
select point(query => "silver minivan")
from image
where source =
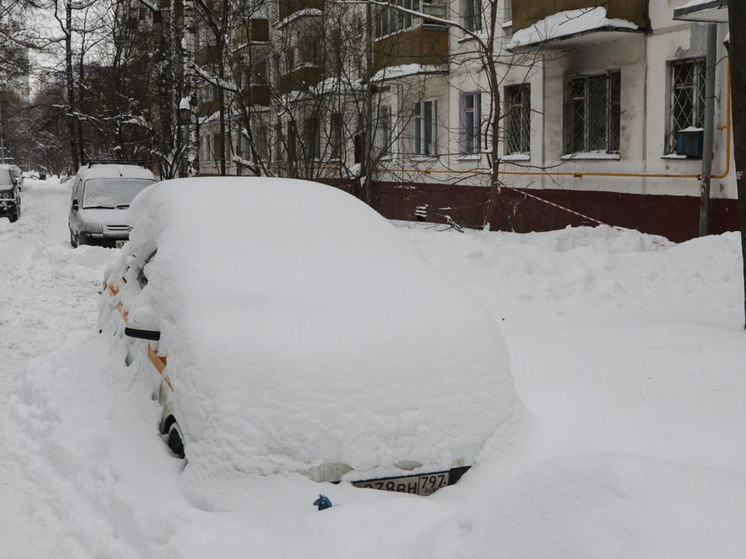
[(101, 196), (10, 192)]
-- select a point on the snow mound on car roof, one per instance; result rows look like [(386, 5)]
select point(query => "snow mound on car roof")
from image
[(302, 328)]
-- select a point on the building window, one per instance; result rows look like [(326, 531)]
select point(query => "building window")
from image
[(312, 139), (593, 113), (335, 137), (687, 98), (390, 20), (279, 146), (259, 75), (382, 135), (518, 119), (470, 121), (507, 11), (425, 128), (473, 15)]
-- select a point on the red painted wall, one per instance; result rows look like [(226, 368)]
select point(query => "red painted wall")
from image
[(674, 217)]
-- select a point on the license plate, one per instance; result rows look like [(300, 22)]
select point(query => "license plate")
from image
[(422, 484), (120, 244)]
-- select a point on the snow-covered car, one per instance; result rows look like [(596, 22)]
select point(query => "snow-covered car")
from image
[(287, 327), (101, 196), (10, 192)]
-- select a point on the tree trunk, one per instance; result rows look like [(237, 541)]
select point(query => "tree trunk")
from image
[(192, 147), (737, 53), (72, 119), (494, 158)]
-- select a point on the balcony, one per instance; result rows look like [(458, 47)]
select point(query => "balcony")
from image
[(290, 7), (561, 24), (425, 44), (206, 108), (207, 55), (256, 95), (253, 30), (301, 78)]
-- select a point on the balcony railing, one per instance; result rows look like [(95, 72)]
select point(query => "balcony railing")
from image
[(253, 30), (207, 55), (528, 12), (424, 44), (256, 95), (301, 78)]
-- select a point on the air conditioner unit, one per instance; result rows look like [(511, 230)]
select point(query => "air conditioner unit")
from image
[(690, 142)]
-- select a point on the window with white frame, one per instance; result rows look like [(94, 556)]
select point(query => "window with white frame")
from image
[(593, 113), (382, 137), (507, 11), (424, 137), (687, 98), (470, 120), (518, 119), (472, 15)]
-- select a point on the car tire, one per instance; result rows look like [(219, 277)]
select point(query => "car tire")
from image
[(174, 440), (14, 216), (73, 240)]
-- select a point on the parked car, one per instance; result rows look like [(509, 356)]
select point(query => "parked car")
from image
[(287, 327), (10, 192), (101, 195)]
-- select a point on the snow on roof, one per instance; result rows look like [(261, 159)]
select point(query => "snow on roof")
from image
[(394, 72), (324, 316), (99, 171), (566, 24)]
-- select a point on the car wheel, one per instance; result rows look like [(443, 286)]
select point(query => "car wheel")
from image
[(14, 216), (174, 440), (73, 240)]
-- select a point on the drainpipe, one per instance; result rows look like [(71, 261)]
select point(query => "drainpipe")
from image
[(704, 206)]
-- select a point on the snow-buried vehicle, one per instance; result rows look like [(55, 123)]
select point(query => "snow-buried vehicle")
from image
[(288, 327)]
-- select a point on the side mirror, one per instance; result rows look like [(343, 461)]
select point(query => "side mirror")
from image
[(76, 206), (142, 331)]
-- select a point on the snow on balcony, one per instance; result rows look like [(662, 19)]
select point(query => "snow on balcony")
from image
[(564, 25)]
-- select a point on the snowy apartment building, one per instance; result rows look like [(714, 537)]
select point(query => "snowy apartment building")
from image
[(601, 109)]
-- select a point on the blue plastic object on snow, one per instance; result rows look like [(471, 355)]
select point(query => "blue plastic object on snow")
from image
[(322, 502)]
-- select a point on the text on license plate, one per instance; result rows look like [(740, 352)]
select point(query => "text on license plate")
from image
[(120, 244), (422, 484)]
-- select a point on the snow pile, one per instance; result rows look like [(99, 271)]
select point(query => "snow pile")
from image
[(627, 349), (302, 329), (566, 24)]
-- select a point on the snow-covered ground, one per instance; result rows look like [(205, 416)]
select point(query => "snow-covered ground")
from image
[(627, 350)]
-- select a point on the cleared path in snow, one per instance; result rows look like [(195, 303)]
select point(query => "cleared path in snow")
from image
[(46, 303)]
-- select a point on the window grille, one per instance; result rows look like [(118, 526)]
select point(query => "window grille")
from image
[(687, 98), (593, 113), (518, 119)]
